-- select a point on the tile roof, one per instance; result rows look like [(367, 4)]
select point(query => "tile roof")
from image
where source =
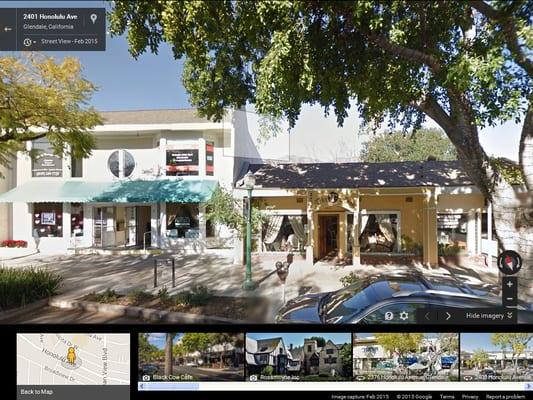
[(169, 116), (358, 175)]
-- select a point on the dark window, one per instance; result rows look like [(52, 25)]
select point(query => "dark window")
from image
[(113, 164), (182, 220), (76, 219), (47, 220), (333, 360), (121, 163), (309, 348), (329, 351), (129, 163), (284, 233), (314, 361), (77, 167)]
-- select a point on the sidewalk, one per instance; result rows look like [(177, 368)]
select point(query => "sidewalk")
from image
[(215, 270)]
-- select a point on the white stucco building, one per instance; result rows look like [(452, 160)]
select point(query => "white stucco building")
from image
[(145, 184)]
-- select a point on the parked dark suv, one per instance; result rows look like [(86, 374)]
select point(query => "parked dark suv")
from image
[(393, 298)]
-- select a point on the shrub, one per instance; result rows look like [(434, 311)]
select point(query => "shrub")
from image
[(349, 279), (268, 370), (410, 246), (449, 250), (107, 296), (13, 243), (164, 297), (197, 296), (21, 286), (139, 296)]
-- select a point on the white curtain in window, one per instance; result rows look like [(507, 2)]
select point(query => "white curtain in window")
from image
[(273, 225), (385, 225), (364, 222), (298, 228)]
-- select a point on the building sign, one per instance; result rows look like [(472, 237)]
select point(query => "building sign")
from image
[(48, 218), (182, 162), (182, 222), (47, 165), (448, 221), (209, 158)]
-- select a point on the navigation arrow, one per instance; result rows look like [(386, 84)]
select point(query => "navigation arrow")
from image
[(427, 316), (448, 315), (7, 29)]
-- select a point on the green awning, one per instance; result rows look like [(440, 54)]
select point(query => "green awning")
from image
[(167, 190), (135, 191)]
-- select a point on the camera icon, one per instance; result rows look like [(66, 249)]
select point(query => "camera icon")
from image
[(253, 378), (146, 378)]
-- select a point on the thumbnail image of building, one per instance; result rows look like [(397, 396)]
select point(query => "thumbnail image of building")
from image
[(405, 356), (496, 356), (196, 356), (291, 355)]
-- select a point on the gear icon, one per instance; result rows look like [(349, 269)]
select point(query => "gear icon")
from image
[(404, 315)]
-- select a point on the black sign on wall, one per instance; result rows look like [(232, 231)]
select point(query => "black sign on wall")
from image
[(45, 163), (182, 162)]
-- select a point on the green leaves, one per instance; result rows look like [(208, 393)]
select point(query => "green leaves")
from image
[(279, 55), (399, 146), (44, 98), (224, 209)]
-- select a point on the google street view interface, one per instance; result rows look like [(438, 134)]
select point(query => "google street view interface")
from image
[(238, 196)]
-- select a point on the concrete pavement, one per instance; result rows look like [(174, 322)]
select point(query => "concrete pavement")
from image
[(215, 270)]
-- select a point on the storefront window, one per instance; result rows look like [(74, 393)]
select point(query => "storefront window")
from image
[(451, 229), (284, 233), (183, 220), (76, 219), (484, 227), (48, 220), (379, 233)]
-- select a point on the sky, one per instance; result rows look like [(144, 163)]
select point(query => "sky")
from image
[(297, 339), (158, 339), (154, 81), (474, 341)]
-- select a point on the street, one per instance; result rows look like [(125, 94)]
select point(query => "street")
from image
[(207, 374)]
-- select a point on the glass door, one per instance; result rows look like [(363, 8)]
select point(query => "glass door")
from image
[(131, 226)]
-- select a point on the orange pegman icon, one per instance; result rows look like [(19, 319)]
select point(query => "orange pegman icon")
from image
[(71, 355)]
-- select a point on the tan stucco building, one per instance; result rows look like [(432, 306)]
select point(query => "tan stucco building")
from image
[(328, 211)]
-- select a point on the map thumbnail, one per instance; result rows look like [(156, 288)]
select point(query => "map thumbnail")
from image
[(73, 359)]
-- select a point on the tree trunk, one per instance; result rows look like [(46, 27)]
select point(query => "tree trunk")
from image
[(168, 354), (514, 229)]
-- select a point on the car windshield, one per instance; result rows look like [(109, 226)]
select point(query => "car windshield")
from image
[(352, 300)]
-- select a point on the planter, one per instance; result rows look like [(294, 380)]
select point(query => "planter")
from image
[(150, 314)]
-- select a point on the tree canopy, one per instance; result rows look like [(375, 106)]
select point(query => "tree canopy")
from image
[(43, 98), (400, 343), (464, 64), (400, 146)]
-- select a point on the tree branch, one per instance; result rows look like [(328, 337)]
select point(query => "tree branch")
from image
[(404, 52), (509, 32)]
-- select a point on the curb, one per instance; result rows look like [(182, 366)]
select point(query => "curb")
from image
[(23, 310), (150, 314)]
